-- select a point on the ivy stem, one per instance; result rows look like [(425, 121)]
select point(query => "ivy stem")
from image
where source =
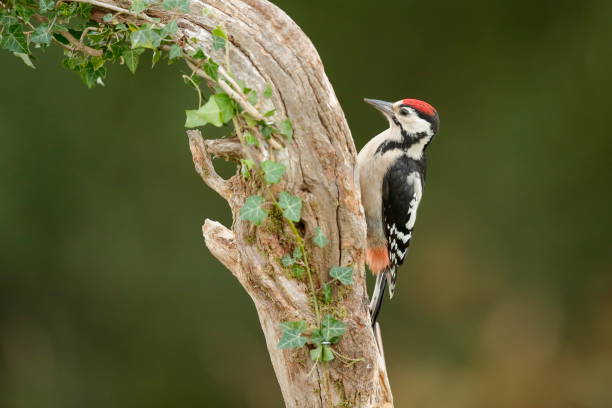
[(197, 88), (345, 359), (119, 10), (300, 243)]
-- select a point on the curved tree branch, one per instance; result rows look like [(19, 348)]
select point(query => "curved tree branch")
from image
[(267, 48)]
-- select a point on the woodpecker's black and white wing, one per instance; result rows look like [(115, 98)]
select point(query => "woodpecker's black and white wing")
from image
[(402, 191)]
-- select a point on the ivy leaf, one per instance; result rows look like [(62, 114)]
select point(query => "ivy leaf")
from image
[(250, 139), (131, 58), (138, 6), (46, 5), (218, 110), (14, 40), (327, 293), (273, 171), (291, 205), (219, 38), (227, 106), (316, 337), (182, 5), (332, 329), (194, 119), (169, 29), (328, 355), (253, 97), (319, 238), (25, 58), (315, 354), (297, 253), (292, 335), (198, 54), (252, 210), (297, 271), (145, 38), (286, 129), (175, 52), (287, 260), (42, 35), (245, 169), (107, 17), (343, 273), (267, 131), (267, 91), (157, 54), (211, 68)]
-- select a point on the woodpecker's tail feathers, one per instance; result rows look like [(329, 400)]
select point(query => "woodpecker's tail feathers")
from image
[(382, 279), (377, 296), (391, 281)]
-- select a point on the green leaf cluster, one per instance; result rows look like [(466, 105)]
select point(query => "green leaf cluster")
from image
[(218, 110), (321, 338)]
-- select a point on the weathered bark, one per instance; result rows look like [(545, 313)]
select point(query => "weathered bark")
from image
[(267, 47)]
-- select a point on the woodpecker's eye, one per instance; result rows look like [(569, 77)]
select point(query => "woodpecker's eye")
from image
[(404, 112)]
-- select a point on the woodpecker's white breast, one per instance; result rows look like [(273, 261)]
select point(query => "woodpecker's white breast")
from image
[(370, 171)]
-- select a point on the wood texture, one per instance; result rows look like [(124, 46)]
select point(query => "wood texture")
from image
[(267, 47)]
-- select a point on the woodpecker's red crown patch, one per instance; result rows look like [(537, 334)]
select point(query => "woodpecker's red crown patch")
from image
[(421, 106)]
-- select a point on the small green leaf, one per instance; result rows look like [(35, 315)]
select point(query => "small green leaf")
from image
[(267, 131), (131, 58), (327, 293), (46, 5), (25, 58), (198, 54), (292, 335), (332, 329), (287, 260), (211, 68), (145, 38), (169, 29), (343, 273), (138, 6), (253, 97), (316, 337), (297, 253), (245, 168), (219, 109), (291, 205), (267, 92), (156, 57), (41, 35), (219, 38), (273, 171), (286, 129), (194, 119), (175, 52), (252, 210), (315, 354), (14, 40), (319, 238), (269, 113), (218, 31), (107, 17), (182, 5), (328, 355), (297, 271), (251, 139)]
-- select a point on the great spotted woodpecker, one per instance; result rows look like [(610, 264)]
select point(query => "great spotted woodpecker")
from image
[(391, 175)]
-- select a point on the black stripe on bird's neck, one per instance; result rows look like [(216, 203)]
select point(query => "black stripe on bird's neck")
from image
[(408, 140)]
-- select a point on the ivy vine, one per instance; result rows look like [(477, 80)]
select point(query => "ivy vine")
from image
[(94, 34)]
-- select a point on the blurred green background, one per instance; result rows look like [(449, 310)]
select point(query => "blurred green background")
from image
[(108, 297)]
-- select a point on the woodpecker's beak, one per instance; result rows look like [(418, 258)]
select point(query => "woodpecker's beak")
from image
[(384, 107)]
